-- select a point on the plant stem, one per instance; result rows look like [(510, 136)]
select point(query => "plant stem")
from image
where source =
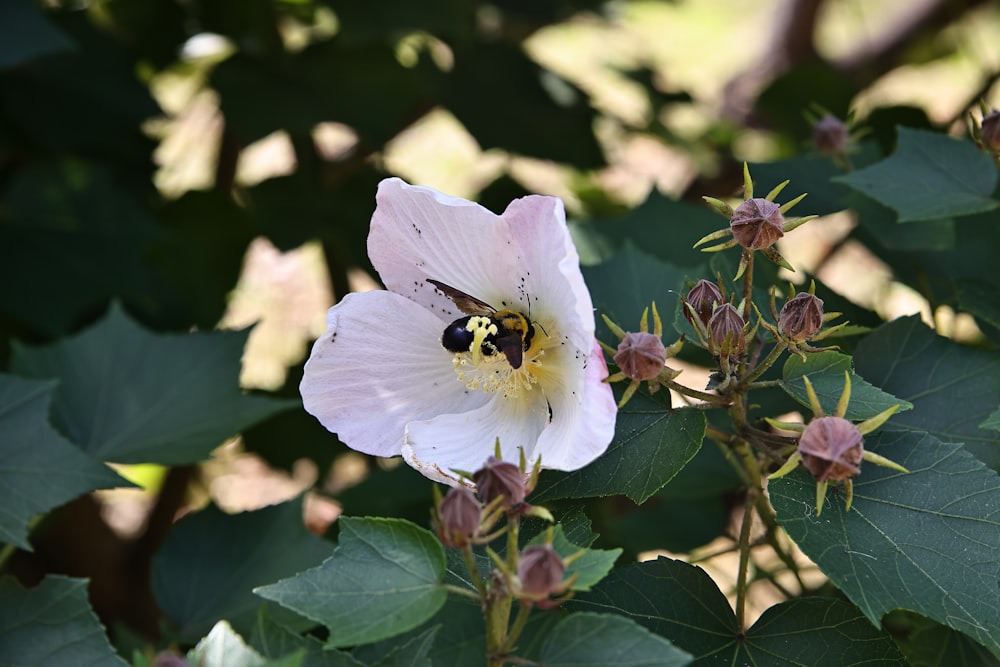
[(722, 401), (753, 493), (470, 565), (762, 367)]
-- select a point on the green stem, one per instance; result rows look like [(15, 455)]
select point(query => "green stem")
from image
[(515, 630), (470, 565), (753, 492), (694, 393), (464, 592), (762, 367), (498, 605)]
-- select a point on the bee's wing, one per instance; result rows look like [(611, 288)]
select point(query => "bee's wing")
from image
[(466, 303)]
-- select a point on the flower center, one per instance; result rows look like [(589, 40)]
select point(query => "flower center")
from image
[(486, 368)]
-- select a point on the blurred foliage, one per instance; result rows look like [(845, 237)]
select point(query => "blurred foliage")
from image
[(107, 275)]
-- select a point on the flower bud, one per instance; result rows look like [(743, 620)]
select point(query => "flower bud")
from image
[(726, 328), (169, 659), (500, 478), (757, 223), (830, 134), (458, 517), (989, 130), (540, 571), (831, 449), (703, 297), (801, 317), (641, 355)]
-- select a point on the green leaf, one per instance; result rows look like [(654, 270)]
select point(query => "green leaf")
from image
[(273, 641), (906, 359), (224, 648), (929, 644), (819, 632), (589, 568), (681, 602), (383, 579), (51, 625), (930, 176), (652, 443), (26, 34), (128, 395), (39, 470), (208, 566), (925, 541), (992, 422), (413, 652), (606, 640), (979, 299), (826, 373)]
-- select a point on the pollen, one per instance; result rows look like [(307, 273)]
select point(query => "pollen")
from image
[(480, 327), (492, 373)]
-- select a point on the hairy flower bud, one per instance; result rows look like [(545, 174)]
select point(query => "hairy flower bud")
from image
[(989, 130), (801, 317), (726, 328), (641, 355), (500, 478), (831, 449), (757, 223), (540, 571), (703, 297), (830, 134), (458, 517)]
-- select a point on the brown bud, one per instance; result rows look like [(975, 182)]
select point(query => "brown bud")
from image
[(726, 328), (703, 297), (458, 517), (989, 130), (641, 355), (831, 449), (500, 478), (801, 317), (830, 134), (169, 659), (757, 223), (540, 571)]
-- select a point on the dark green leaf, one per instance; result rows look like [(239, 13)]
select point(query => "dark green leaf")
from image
[(820, 632), (825, 371), (273, 641), (682, 603), (74, 236), (383, 579), (979, 299), (26, 34), (925, 541), (929, 644), (606, 640), (387, 20), (673, 599), (882, 223), (413, 652), (211, 561), (652, 444), (906, 359), (131, 396), (39, 470), (992, 422), (51, 625), (930, 176)]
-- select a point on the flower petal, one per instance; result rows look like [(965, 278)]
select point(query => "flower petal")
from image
[(379, 366), (551, 268), (464, 441), (583, 410), (419, 233)]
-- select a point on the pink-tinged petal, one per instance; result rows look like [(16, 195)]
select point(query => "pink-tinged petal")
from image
[(464, 441), (379, 366), (583, 411), (418, 233), (552, 268)]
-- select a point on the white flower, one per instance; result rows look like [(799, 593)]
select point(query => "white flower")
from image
[(381, 379)]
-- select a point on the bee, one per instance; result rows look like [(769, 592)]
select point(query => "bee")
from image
[(512, 337)]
